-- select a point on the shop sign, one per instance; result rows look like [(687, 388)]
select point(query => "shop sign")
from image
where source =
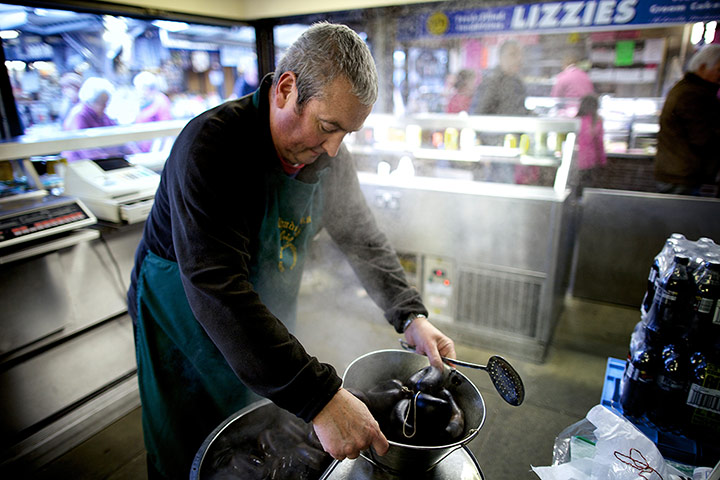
[(557, 16)]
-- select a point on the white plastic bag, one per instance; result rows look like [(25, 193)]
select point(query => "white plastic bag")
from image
[(622, 452)]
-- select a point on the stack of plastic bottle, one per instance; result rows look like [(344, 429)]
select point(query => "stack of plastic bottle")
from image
[(672, 374)]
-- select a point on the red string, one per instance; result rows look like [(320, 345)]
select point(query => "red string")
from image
[(638, 463)]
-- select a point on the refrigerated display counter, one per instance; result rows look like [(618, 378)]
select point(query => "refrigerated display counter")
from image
[(489, 258)]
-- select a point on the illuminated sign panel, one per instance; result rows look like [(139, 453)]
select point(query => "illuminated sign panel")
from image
[(558, 16)]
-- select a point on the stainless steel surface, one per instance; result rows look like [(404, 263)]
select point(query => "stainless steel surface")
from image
[(65, 342), (369, 370), (509, 245), (34, 301), (621, 232), (504, 377), (459, 465), (71, 429), (35, 391), (97, 274)]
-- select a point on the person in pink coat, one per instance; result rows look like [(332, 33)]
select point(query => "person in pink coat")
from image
[(572, 82), (591, 148)]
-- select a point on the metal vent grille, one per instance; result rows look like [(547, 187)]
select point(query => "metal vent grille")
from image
[(501, 300)]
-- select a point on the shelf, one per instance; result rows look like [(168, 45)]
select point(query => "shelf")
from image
[(408, 136), (26, 146), (480, 153), (479, 123)]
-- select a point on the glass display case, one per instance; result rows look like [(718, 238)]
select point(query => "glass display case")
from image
[(489, 246), (631, 124), (497, 149)]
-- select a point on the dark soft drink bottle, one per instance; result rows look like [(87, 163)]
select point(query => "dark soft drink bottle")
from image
[(706, 307), (652, 279), (669, 315), (676, 244), (705, 312), (638, 382), (657, 269), (668, 410), (703, 399)]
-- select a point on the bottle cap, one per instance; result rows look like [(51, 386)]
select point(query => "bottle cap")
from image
[(682, 259)]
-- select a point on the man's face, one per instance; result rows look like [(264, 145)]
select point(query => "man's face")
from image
[(300, 138), (711, 74)]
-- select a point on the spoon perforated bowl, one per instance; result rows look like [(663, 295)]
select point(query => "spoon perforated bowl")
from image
[(506, 379)]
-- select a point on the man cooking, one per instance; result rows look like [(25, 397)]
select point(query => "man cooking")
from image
[(213, 296)]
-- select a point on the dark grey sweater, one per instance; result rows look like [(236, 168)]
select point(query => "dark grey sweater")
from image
[(207, 214)]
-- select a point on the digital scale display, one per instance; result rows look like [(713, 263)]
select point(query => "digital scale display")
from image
[(30, 219)]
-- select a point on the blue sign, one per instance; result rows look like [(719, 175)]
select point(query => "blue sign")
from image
[(557, 16)]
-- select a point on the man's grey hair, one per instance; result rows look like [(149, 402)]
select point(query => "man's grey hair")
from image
[(325, 52), (709, 56)]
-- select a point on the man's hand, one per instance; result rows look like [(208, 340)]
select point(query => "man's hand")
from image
[(345, 427), (429, 341)]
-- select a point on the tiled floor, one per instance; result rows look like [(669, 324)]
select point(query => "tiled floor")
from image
[(337, 327)]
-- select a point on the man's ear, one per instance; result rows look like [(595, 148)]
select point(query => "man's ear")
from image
[(285, 89)]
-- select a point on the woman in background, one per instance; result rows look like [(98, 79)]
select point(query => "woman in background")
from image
[(94, 96), (591, 148)]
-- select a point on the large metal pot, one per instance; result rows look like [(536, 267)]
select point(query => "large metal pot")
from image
[(375, 367), (225, 452)]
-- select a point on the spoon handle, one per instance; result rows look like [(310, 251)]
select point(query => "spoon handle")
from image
[(449, 361)]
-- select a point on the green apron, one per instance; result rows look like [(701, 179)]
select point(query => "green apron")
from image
[(186, 386)]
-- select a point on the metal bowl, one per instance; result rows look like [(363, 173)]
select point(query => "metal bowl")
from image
[(373, 368)]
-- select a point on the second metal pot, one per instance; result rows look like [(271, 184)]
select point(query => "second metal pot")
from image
[(373, 368)]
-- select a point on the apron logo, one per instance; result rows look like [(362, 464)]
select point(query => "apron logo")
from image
[(289, 231)]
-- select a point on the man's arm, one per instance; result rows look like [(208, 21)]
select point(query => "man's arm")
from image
[(353, 227)]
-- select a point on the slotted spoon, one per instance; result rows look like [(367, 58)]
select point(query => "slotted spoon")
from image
[(505, 378)]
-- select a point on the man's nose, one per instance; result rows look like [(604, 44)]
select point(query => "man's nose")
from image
[(332, 144)]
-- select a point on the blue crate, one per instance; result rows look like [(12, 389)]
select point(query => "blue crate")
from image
[(672, 446)]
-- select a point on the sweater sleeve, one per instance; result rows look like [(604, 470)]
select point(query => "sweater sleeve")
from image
[(213, 187), (352, 226)]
